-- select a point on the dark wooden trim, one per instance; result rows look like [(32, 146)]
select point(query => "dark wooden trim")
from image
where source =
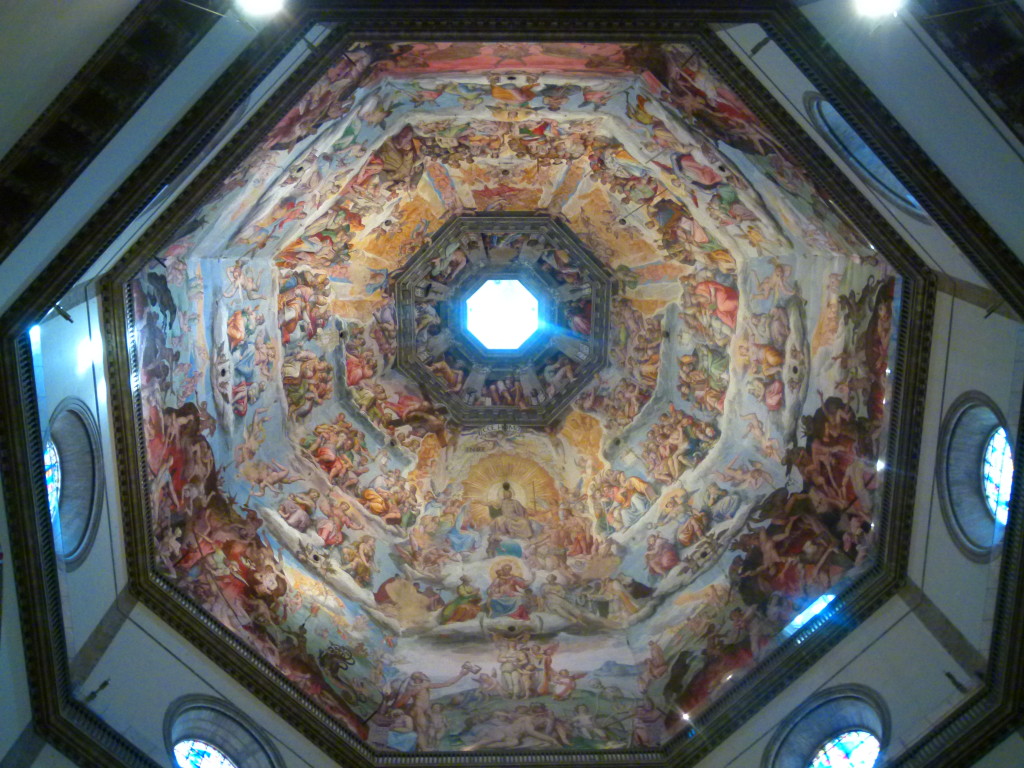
[(976, 725), (125, 71)]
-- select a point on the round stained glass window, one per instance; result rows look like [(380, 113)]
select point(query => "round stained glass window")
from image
[(193, 753), (853, 749), (51, 464), (997, 474)]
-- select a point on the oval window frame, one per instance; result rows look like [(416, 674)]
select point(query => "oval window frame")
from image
[(76, 435), (812, 109), (824, 716), (966, 428), (223, 726)]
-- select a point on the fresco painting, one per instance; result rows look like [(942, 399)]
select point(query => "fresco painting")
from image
[(438, 587)]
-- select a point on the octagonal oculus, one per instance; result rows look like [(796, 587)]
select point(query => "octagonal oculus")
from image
[(502, 314)]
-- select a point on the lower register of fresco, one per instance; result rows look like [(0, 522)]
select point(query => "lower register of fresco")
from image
[(582, 586)]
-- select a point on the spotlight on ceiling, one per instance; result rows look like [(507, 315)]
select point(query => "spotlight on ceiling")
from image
[(260, 7), (876, 8)]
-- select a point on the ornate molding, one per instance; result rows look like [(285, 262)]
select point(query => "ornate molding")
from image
[(965, 734), (92, 108)]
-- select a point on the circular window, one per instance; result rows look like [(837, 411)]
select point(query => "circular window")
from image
[(842, 727), (51, 464), (205, 732), (845, 140), (997, 475), (74, 479), (193, 753), (852, 749), (975, 474)]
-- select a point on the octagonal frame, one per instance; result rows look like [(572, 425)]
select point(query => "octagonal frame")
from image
[(555, 339)]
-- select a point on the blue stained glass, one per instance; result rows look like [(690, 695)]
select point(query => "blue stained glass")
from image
[(997, 475), (853, 749), (198, 754), (51, 465)]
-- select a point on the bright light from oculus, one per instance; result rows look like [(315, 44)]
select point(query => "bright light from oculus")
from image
[(198, 754), (807, 614), (875, 8), (260, 7), (997, 475), (853, 749), (502, 314)]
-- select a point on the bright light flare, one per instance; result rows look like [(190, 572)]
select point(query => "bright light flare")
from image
[(807, 614), (877, 8), (502, 314), (854, 749), (260, 7), (90, 351), (997, 475)]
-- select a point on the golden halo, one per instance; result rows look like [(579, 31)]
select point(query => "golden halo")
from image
[(517, 566)]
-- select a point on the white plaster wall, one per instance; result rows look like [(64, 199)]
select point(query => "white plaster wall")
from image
[(68, 371), (787, 84), (980, 355), (145, 649), (890, 652), (49, 757)]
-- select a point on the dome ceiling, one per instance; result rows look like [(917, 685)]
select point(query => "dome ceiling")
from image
[(577, 546)]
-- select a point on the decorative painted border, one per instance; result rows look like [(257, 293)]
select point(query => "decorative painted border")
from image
[(969, 731)]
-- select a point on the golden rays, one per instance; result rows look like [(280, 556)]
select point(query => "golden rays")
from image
[(530, 483)]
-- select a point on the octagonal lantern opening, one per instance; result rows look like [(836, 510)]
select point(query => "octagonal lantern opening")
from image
[(502, 314), (502, 318)]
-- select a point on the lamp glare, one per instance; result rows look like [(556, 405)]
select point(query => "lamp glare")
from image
[(876, 8), (260, 7)]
